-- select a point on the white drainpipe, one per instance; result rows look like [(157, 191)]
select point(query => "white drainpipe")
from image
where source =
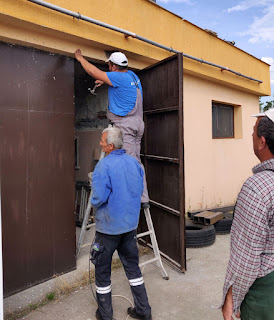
[(134, 35)]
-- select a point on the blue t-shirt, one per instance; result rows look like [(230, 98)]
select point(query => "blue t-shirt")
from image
[(122, 94)]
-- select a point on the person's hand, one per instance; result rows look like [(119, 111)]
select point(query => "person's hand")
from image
[(227, 312), (99, 83), (78, 54), (238, 315), (227, 308)]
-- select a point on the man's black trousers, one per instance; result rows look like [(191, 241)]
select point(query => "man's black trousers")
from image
[(101, 255)]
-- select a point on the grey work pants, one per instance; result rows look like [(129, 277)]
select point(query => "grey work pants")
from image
[(132, 128)]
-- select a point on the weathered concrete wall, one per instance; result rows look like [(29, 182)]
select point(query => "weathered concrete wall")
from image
[(90, 119), (89, 151), (90, 109)]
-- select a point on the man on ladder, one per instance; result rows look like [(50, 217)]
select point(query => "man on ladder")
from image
[(117, 185), (125, 108)]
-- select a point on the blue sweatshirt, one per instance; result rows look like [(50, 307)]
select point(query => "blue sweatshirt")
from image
[(117, 184)]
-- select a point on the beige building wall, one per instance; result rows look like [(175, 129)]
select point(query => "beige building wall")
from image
[(215, 169)]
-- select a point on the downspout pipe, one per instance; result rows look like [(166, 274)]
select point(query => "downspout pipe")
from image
[(134, 35)]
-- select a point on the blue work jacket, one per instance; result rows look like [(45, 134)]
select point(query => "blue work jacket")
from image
[(117, 185)]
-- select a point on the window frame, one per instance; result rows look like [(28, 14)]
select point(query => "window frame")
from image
[(223, 104)]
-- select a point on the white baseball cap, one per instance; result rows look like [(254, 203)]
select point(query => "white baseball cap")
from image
[(269, 113), (118, 58)]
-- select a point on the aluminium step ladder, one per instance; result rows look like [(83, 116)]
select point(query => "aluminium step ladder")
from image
[(154, 243), (86, 215), (157, 257), (84, 227)]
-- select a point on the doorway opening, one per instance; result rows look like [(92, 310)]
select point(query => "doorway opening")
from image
[(90, 120)]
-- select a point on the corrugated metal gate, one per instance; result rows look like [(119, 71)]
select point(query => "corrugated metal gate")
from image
[(37, 165), (163, 155)]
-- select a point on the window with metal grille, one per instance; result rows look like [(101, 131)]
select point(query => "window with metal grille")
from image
[(222, 120)]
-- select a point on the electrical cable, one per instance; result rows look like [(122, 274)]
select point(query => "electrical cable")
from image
[(120, 296)]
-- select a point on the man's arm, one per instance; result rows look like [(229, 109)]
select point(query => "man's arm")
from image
[(227, 308), (93, 71), (101, 185)]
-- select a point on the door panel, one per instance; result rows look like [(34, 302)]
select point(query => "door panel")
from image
[(162, 176), (163, 155), (167, 224), (37, 165), (164, 125)]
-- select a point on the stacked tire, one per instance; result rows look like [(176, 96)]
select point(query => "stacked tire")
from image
[(198, 236), (223, 226)]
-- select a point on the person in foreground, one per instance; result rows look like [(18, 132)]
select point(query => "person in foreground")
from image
[(249, 283), (125, 103), (117, 185)]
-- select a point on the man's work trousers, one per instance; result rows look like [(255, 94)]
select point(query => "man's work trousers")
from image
[(132, 127), (259, 301), (101, 255)]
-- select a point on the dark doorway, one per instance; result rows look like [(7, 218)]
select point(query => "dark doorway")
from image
[(37, 165), (163, 155)]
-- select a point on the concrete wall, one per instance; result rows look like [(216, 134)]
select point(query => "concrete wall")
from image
[(89, 151), (90, 120), (215, 168), (90, 109)]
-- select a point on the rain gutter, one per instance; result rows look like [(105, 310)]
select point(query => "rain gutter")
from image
[(134, 35)]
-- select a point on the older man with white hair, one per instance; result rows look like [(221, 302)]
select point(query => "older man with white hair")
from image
[(117, 185), (249, 282)]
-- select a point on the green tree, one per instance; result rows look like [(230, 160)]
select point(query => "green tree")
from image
[(264, 106), (261, 104)]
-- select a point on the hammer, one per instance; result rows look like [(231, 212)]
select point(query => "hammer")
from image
[(93, 90)]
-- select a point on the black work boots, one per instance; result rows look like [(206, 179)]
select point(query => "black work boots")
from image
[(132, 312)]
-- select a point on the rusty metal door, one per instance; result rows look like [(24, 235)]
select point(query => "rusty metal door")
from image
[(37, 165), (163, 155)]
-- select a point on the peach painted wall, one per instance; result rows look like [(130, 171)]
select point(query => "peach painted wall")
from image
[(215, 169)]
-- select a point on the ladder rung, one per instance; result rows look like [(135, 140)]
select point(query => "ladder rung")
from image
[(90, 225), (144, 234), (148, 261)]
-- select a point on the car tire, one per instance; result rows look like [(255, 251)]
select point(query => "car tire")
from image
[(198, 236), (223, 226)]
